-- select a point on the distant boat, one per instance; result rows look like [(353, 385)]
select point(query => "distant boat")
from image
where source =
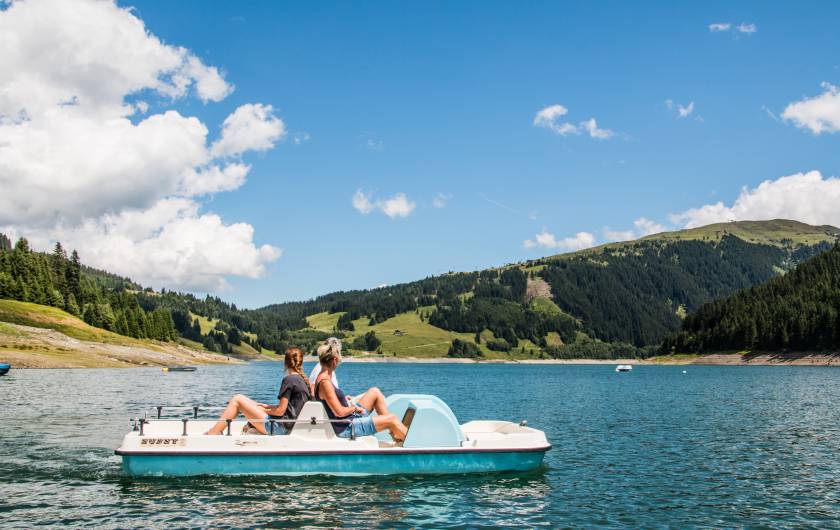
[(179, 369), (623, 368), (4, 368)]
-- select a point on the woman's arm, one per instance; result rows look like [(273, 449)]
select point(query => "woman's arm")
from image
[(328, 394), (279, 409)]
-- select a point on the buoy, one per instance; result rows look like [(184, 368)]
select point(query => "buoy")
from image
[(684, 371)]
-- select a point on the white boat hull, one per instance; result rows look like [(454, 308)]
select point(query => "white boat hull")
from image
[(178, 448)]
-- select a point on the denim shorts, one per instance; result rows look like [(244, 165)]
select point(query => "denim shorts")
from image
[(362, 425), (279, 427)]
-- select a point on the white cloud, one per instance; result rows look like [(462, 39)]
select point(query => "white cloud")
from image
[(170, 243), (399, 205), (76, 163), (213, 179), (591, 126), (549, 118), (683, 111), (806, 197), (618, 235), (300, 138), (646, 227), (251, 127), (441, 199), (743, 27), (362, 202), (820, 114), (546, 239), (642, 227)]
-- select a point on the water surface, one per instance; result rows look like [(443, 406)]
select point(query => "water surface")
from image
[(715, 447)]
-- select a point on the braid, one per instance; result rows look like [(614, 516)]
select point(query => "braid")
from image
[(294, 363)]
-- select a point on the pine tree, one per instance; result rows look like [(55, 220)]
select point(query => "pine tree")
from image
[(73, 275)]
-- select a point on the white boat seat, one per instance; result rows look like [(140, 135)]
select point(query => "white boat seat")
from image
[(321, 430)]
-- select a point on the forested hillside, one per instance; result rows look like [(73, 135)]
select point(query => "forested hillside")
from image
[(619, 300), (797, 311), (99, 298)]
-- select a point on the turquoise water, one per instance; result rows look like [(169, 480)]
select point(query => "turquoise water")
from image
[(715, 447)]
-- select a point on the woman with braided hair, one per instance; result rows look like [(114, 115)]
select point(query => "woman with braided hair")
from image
[(294, 393)]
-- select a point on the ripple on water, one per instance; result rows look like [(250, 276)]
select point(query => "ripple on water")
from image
[(719, 447)]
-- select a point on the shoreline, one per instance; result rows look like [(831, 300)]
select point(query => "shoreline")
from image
[(195, 358), (714, 359)]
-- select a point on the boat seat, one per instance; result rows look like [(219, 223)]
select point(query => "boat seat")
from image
[(321, 430)]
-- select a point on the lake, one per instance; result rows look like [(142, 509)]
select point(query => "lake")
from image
[(713, 447)]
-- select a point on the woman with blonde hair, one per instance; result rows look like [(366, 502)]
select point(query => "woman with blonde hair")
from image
[(359, 421), (294, 393)]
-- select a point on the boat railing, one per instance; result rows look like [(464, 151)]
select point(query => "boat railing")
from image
[(140, 423)]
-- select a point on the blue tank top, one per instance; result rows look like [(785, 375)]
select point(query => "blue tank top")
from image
[(341, 426)]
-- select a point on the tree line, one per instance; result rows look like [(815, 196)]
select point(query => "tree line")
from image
[(797, 311), (98, 298)]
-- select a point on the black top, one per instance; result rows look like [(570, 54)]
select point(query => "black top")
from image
[(295, 389), (338, 427)]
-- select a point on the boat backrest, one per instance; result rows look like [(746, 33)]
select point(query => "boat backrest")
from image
[(321, 430)]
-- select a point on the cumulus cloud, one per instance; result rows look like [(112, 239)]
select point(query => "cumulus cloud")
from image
[(249, 128), (549, 118), (646, 227), (720, 26), (641, 227), (171, 243), (806, 197), (441, 199), (749, 29), (362, 202), (546, 239), (591, 127), (82, 160), (820, 114), (683, 111), (399, 205)]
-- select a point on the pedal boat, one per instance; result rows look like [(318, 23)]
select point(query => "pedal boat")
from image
[(4, 368), (435, 444)]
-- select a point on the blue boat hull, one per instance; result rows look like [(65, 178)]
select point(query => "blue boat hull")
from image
[(4, 368), (409, 463)]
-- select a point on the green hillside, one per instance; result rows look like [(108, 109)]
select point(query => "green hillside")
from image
[(782, 233), (617, 300), (631, 296), (798, 311), (777, 232)]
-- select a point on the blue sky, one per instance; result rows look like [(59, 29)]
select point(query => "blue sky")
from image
[(440, 98), (448, 91)]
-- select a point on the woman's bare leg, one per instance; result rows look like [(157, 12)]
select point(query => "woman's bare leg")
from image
[(247, 406), (390, 422), (372, 400)]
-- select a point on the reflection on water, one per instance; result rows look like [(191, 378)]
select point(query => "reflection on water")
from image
[(719, 446)]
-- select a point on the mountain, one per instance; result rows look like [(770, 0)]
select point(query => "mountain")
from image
[(630, 294), (798, 311), (782, 233), (617, 300)]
